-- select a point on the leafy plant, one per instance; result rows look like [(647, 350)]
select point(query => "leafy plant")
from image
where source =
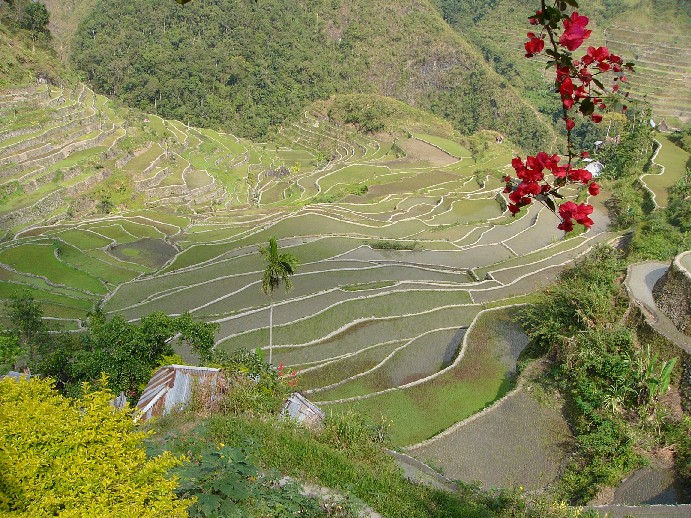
[(255, 387), (78, 457), (655, 376), (226, 481)]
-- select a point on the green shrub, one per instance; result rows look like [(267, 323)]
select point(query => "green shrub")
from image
[(254, 386), (392, 245), (599, 369), (77, 457)]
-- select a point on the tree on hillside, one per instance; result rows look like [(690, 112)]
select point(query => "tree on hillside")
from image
[(77, 457), (126, 351), (27, 327), (35, 19), (277, 268)]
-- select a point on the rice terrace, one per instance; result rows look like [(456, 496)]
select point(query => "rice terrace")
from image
[(410, 265), (402, 238)]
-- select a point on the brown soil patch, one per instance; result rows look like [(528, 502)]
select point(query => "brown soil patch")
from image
[(672, 401), (417, 150)]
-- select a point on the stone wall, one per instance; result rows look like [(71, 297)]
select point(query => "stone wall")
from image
[(51, 202), (149, 183), (672, 294)]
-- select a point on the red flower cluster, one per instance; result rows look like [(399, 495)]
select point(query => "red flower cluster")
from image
[(579, 88), (569, 211), (534, 45), (574, 31), (532, 173), (292, 377)]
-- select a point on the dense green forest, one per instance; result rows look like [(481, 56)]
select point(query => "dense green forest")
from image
[(250, 66)]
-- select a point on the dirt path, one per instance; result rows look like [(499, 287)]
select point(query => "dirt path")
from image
[(652, 511), (640, 280)]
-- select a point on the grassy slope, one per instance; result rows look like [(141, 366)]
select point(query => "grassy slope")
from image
[(19, 65), (360, 469)]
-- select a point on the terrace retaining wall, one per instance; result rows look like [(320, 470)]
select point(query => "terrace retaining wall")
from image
[(51, 202), (59, 155), (82, 126), (672, 294), (149, 183), (7, 134), (122, 162)]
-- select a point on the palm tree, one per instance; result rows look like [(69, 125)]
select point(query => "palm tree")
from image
[(278, 268)]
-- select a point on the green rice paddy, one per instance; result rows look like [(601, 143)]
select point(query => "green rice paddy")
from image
[(188, 241)]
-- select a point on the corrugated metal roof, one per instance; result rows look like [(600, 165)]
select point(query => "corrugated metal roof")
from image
[(17, 375), (595, 168), (171, 387), (298, 407)]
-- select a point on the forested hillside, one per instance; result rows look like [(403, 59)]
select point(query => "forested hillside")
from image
[(652, 33), (249, 66)]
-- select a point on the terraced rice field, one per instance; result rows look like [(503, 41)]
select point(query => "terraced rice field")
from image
[(671, 161), (518, 441), (400, 247), (663, 68)]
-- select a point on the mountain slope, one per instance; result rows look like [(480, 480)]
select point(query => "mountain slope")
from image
[(652, 33), (251, 66)]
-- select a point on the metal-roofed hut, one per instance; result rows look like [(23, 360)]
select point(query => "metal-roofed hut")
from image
[(17, 375), (595, 168), (298, 407), (171, 388)]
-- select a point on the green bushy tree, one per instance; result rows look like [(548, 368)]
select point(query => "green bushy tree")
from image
[(77, 457)]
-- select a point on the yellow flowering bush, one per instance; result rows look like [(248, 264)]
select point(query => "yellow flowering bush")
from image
[(77, 457)]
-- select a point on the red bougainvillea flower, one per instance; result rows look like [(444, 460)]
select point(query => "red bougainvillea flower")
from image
[(534, 20), (594, 189), (570, 124), (580, 213), (574, 31), (583, 215), (580, 175), (566, 87), (534, 45), (596, 118), (566, 225), (595, 54), (580, 93)]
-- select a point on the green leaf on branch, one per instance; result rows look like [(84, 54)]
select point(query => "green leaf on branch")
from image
[(208, 504), (587, 107)]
